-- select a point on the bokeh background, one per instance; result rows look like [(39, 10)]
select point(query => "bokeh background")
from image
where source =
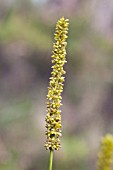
[(26, 38)]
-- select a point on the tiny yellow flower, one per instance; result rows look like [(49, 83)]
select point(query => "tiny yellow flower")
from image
[(105, 157), (53, 117)]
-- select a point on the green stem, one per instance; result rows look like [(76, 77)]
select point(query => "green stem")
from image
[(51, 160)]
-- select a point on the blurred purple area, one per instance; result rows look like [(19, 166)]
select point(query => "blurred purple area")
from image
[(26, 38)]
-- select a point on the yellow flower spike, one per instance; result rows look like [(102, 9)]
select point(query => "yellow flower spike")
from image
[(105, 157), (53, 118)]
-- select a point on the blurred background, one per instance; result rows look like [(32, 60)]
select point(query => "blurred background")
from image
[(26, 38)]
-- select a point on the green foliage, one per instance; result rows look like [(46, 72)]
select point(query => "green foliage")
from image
[(14, 112), (11, 163), (17, 28), (74, 147)]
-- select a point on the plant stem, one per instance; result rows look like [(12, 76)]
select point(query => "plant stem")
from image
[(51, 159)]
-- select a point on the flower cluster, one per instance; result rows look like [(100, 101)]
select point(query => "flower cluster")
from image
[(53, 118), (106, 153)]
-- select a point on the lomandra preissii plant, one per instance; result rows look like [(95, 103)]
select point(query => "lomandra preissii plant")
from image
[(55, 89), (53, 117)]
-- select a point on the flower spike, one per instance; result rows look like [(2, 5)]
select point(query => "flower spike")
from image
[(105, 157), (53, 117)]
